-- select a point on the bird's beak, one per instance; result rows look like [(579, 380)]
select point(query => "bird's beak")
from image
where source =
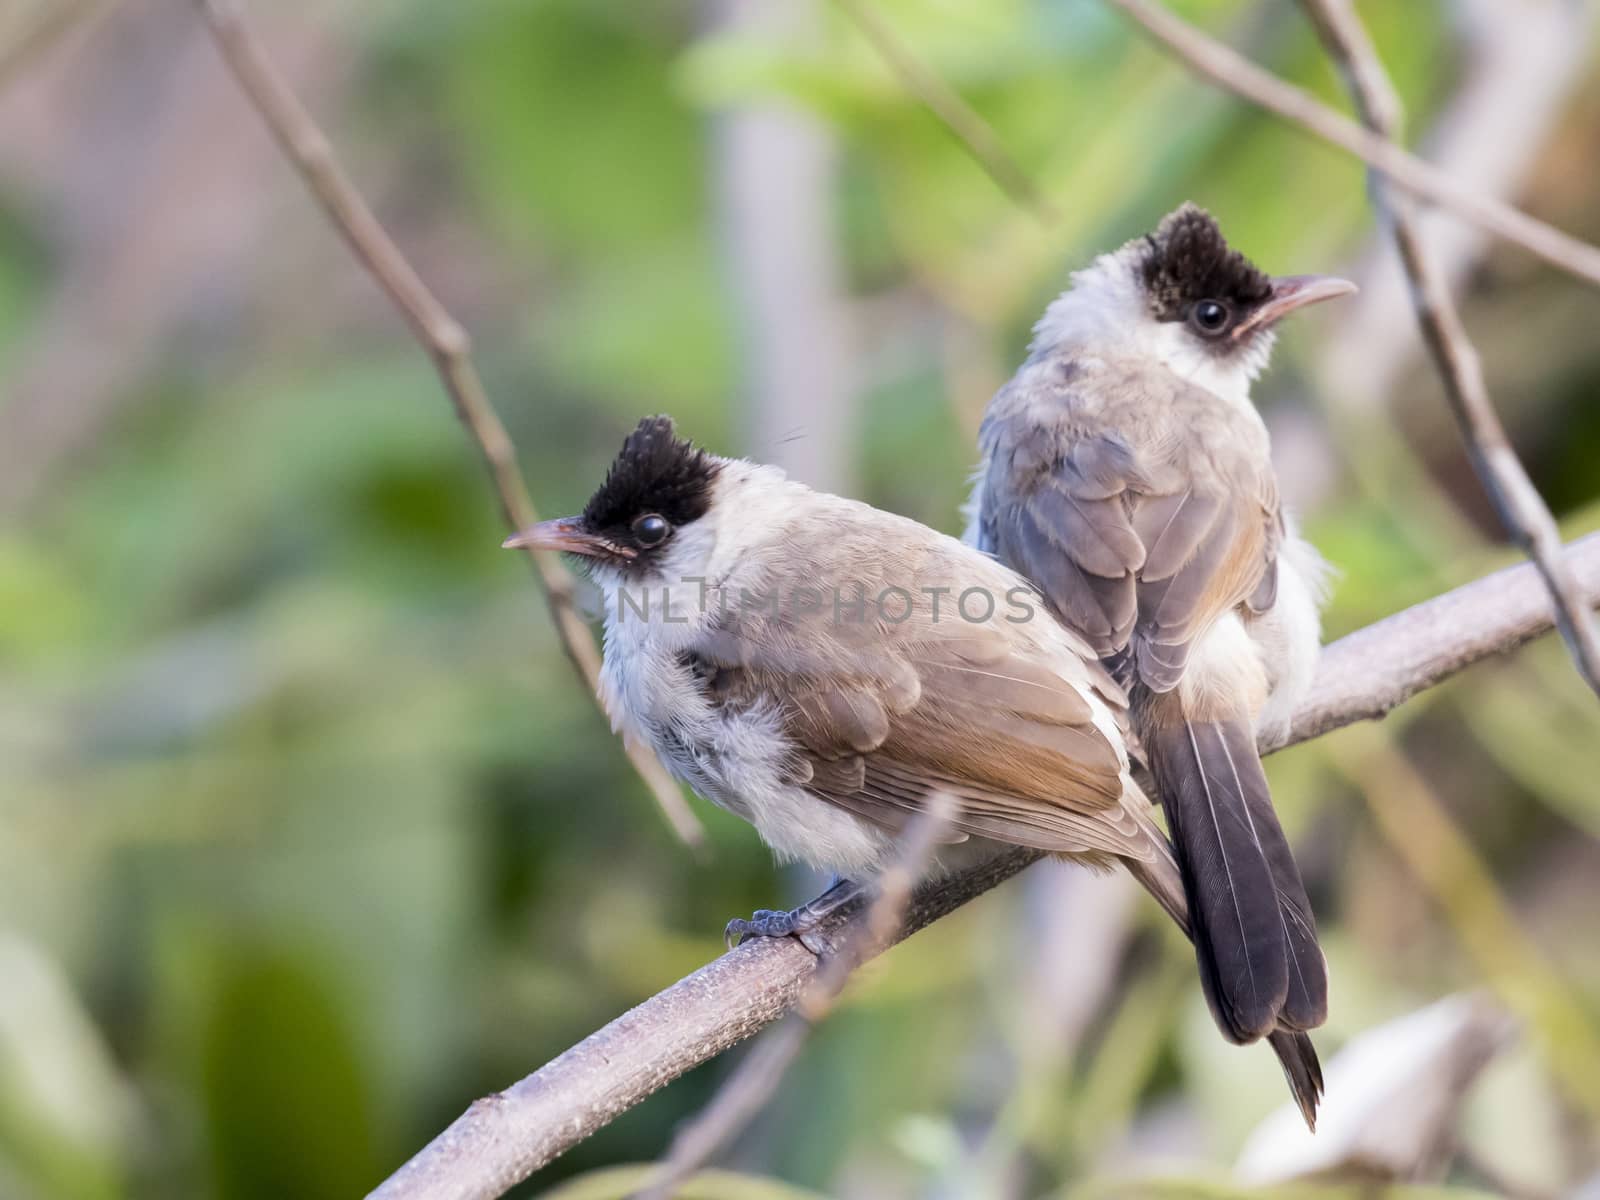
[(564, 533), (1291, 292)]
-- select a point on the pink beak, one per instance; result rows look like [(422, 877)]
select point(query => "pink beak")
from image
[(1291, 292), (565, 534)]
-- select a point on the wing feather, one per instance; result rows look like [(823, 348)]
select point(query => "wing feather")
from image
[(877, 716), (1138, 546)]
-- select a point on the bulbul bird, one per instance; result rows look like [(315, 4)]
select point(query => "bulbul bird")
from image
[(1125, 472), (819, 667)]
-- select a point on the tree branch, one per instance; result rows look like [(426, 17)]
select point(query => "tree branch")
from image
[(446, 343), (504, 1138), (757, 1076), (1233, 72), (1522, 511), (952, 111)]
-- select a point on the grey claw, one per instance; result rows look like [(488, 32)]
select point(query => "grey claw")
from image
[(801, 923), (767, 923)]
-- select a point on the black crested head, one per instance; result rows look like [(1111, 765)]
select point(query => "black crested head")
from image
[(1187, 261), (655, 474)]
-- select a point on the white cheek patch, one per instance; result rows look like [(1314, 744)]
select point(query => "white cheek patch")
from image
[(1186, 356)]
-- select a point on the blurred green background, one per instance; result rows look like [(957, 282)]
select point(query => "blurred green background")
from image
[(308, 834)]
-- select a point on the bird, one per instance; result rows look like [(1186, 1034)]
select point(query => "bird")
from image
[(1125, 472), (820, 667)]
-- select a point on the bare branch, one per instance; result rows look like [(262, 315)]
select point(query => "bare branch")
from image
[(504, 1138), (1523, 512), (32, 27), (754, 1081), (775, 170), (1233, 72), (952, 111), (1520, 64), (446, 342)]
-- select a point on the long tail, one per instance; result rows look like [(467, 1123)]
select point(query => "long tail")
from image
[(1298, 1058), (1253, 931), (1296, 1054)]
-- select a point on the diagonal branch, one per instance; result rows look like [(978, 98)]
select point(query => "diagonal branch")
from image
[(446, 342), (756, 1078), (1231, 71), (504, 1138), (952, 111), (1522, 511)]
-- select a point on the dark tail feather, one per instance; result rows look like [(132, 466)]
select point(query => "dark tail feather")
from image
[(1238, 931), (1306, 1005), (1295, 1052), (1298, 1058)]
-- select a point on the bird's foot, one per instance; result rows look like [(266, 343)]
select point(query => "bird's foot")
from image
[(799, 923)]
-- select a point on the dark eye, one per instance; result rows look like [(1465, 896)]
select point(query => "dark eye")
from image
[(651, 530), (1210, 317)]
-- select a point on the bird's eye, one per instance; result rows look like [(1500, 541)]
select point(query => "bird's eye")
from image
[(651, 530), (1210, 317)]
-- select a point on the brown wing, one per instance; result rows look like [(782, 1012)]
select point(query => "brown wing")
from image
[(1138, 549), (880, 719)]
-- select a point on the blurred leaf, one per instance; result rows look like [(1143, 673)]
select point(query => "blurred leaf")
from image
[(1393, 1097), (285, 1092), (1155, 1188), (43, 611), (617, 1183), (1125, 1059), (1512, 1125), (1546, 742), (572, 127), (66, 1113)]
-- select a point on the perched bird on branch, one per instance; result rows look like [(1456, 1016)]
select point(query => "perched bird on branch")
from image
[(1126, 473), (819, 667)]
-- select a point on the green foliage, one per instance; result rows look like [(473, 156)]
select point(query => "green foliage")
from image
[(308, 835), (273, 1027)]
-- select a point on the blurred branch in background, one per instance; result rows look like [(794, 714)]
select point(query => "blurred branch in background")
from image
[(1367, 674), (504, 1138), (446, 343), (1230, 70), (1422, 833), (775, 175), (1523, 512), (1394, 1095), (1522, 60), (138, 263), (276, 814), (755, 1080), (29, 26), (952, 111)]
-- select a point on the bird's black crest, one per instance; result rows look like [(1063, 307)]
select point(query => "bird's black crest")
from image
[(1187, 260), (655, 472)]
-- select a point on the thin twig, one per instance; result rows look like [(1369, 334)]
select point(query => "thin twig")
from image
[(1233, 72), (952, 111), (756, 1078), (31, 29), (1522, 511), (446, 342), (504, 1138)]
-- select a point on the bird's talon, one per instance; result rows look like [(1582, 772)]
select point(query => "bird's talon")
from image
[(768, 923), (801, 923)]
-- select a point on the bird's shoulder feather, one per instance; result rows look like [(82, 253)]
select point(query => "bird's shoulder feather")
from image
[(1143, 507)]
